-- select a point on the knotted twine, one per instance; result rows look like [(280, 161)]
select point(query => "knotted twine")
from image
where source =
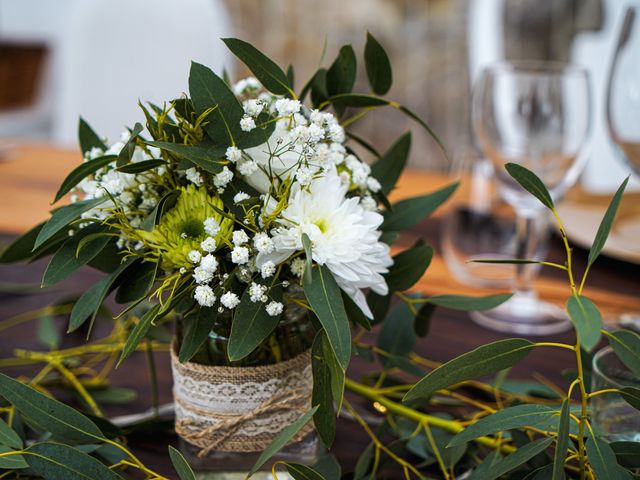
[(240, 409)]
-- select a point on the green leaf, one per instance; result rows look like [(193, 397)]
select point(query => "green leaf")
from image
[(513, 460), (325, 417), (531, 183), (626, 344), (301, 472), (138, 282), (388, 168), (631, 396), (206, 157), (605, 225), (126, 153), (114, 395), (363, 465), (324, 296), (379, 305), (341, 76), (409, 212), (484, 360), (422, 320), (290, 75), (306, 243), (603, 459), (282, 439), (86, 307), (396, 335), (63, 217), (139, 332), (627, 453), (22, 247), (469, 303), (354, 313), (55, 461), (81, 172), (408, 267), (68, 259), (251, 325), (527, 415), (424, 125), (47, 414), (562, 442), (358, 100), (11, 462), (586, 319), (47, 333), (166, 202), (198, 325), (377, 65), (180, 464), (8, 437), (265, 70), (88, 138), (328, 466), (143, 166), (318, 85)]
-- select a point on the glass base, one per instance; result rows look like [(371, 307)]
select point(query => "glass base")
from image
[(236, 465), (524, 315)]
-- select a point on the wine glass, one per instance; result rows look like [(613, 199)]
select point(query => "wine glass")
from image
[(623, 106), (535, 114)]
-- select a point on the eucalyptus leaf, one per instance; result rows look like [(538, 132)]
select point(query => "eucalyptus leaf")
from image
[(47, 332), (363, 464), (562, 442), (513, 460), (341, 76), (626, 344), (181, 466), (302, 472), (49, 414), (139, 332), (586, 319), (265, 70), (603, 460), (87, 138), (407, 213), (408, 267), (606, 223), (138, 282), (126, 153), (627, 453), (306, 243), (68, 258), (388, 168), (198, 325), (377, 65), (166, 202), (358, 100), (468, 303), (282, 439), (325, 418), (114, 395), (323, 294), (11, 462), (251, 325), (354, 313), (81, 172), (54, 461), (484, 360), (208, 158), (631, 396), (531, 183), (8, 437), (22, 247), (396, 335), (422, 320), (63, 216), (143, 166)]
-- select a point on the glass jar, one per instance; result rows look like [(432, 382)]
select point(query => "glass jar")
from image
[(293, 336), (611, 414)]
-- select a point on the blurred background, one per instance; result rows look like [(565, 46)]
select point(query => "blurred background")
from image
[(63, 58)]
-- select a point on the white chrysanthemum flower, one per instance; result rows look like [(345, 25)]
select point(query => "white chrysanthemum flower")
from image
[(240, 197), (344, 237), (274, 309), (204, 296), (268, 269), (221, 179), (257, 292), (240, 255), (247, 123), (239, 237), (297, 267), (230, 300), (208, 244), (233, 154), (211, 226), (194, 176), (209, 263), (194, 256), (202, 275)]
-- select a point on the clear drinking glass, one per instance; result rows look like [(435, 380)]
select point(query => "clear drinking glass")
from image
[(623, 106), (535, 114), (611, 414)]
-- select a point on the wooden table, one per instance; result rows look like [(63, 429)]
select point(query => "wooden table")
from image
[(29, 177)]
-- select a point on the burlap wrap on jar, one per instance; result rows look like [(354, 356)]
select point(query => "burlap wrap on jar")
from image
[(240, 409)]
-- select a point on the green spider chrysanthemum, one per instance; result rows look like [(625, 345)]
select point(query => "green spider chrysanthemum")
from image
[(181, 229)]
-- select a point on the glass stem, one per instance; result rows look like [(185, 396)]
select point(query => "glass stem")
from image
[(528, 238)]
